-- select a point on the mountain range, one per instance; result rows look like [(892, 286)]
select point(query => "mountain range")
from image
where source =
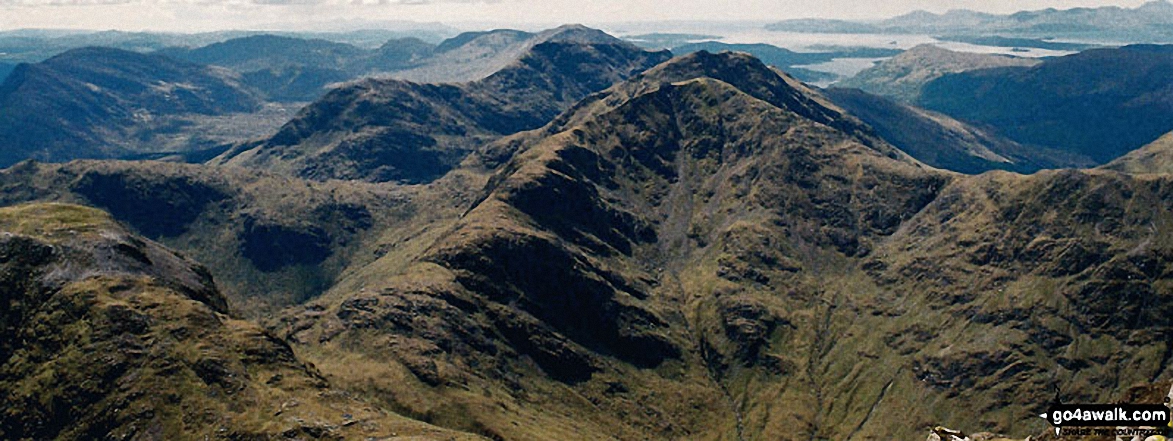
[(1078, 110), (1146, 23), (294, 69), (383, 130), (592, 242), (107, 103)]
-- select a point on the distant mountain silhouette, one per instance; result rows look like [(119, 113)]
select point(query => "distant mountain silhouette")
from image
[(1148, 22), (786, 59), (296, 69), (105, 103)]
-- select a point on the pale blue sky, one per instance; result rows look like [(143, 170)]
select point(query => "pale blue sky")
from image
[(203, 15)]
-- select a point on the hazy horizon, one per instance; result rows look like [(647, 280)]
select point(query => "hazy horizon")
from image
[(324, 15)]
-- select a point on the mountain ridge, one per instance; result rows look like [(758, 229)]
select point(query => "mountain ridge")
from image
[(433, 126)]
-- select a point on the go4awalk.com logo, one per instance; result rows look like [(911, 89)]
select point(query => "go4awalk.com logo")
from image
[(1124, 421)]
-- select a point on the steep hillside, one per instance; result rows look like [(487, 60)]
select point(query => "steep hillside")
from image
[(1008, 287), (103, 103), (1100, 103), (708, 251), (634, 270), (270, 240), (390, 130), (107, 335), (944, 142), (902, 77)]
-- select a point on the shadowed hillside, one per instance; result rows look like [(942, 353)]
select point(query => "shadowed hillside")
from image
[(944, 142), (390, 130), (1101, 103)]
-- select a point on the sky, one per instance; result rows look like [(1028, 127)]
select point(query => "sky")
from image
[(210, 15)]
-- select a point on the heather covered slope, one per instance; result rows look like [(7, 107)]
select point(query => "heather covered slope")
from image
[(390, 130), (107, 335)]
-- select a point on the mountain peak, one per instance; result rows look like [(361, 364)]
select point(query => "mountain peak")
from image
[(750, 75), (1156, 5), (577, 33)]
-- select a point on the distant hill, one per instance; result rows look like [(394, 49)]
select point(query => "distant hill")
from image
[(106, 103), (902, 76), (296, 69), (1148, 22), (5, 69), (1101, 103), (476, 55), (265, 51), (944, 142), (392, 130), (36, 45)]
